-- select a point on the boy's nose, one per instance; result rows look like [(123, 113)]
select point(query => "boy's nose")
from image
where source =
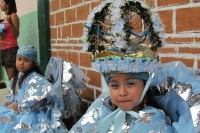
[(122, 91)]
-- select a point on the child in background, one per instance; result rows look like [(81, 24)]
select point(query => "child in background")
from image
[(30, 106)]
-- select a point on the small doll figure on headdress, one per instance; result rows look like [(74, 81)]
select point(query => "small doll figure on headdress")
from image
[(31, 105), (123, 37)]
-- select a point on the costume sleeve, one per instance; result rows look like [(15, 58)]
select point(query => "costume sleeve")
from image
[(180, 103), (90, 120), (10, 96), (36, 93)]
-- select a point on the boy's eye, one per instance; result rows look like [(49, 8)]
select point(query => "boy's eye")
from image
[(131, 83), (112, 85)]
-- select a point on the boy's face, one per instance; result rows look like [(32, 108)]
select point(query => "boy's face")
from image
[(125, 91), (24, 64)]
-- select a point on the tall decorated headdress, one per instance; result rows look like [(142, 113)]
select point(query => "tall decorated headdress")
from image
[(123, 36)]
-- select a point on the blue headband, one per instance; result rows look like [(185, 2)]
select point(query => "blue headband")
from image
[(29, 52), (141, 75)]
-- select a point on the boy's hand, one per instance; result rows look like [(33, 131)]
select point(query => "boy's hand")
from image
[(14, 107), (7, 103)]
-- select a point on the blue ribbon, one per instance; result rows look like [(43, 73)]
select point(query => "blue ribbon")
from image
[(118, 116)]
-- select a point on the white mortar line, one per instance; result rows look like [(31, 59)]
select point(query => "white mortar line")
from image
[(178, 6)]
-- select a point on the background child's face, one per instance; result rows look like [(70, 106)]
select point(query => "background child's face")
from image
[(24, 64), (125, 91)]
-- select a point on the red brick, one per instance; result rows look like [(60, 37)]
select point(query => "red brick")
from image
[(197, 39), (53, 54), (61, 42), (55, 5), (75, 2), (166, 17), (67, 47), (187, 62), (73, 57), (70, 15), (179, 40), (198, 64), (83, 12), (66, 31), (189, 50), (95, 78), (79, 48), (151, 3), (59, 32), (93, 0), (98, 93), (77, 30), (166, 50), (63, 55), (79, 41), (65, 3), (85, 59), (60, 18), (94, 4), (188, 21), (196, 1), (52, 20), (53, 33), (172, 2), (88, 94), (57, 47), (53, 41), (72, 41)]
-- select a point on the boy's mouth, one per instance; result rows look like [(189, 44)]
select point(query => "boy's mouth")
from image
[(124, 101)]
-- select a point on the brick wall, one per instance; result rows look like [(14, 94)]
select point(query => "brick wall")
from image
[(180, 17)]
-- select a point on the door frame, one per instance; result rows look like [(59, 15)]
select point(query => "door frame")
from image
[(44, 33)]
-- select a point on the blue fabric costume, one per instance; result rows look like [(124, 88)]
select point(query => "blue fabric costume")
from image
[(133, 51), (150, 119), (68, 79), (39, 107)]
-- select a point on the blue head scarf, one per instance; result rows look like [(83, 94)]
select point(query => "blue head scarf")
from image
[(141, 75), (29, 52)]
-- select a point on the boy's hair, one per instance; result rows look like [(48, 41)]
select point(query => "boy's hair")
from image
[(16, 72), (12, 8)]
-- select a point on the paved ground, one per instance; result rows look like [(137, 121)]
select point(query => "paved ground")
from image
[(3, 92)]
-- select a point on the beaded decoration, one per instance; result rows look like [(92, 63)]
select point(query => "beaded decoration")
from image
[(132, 32)]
